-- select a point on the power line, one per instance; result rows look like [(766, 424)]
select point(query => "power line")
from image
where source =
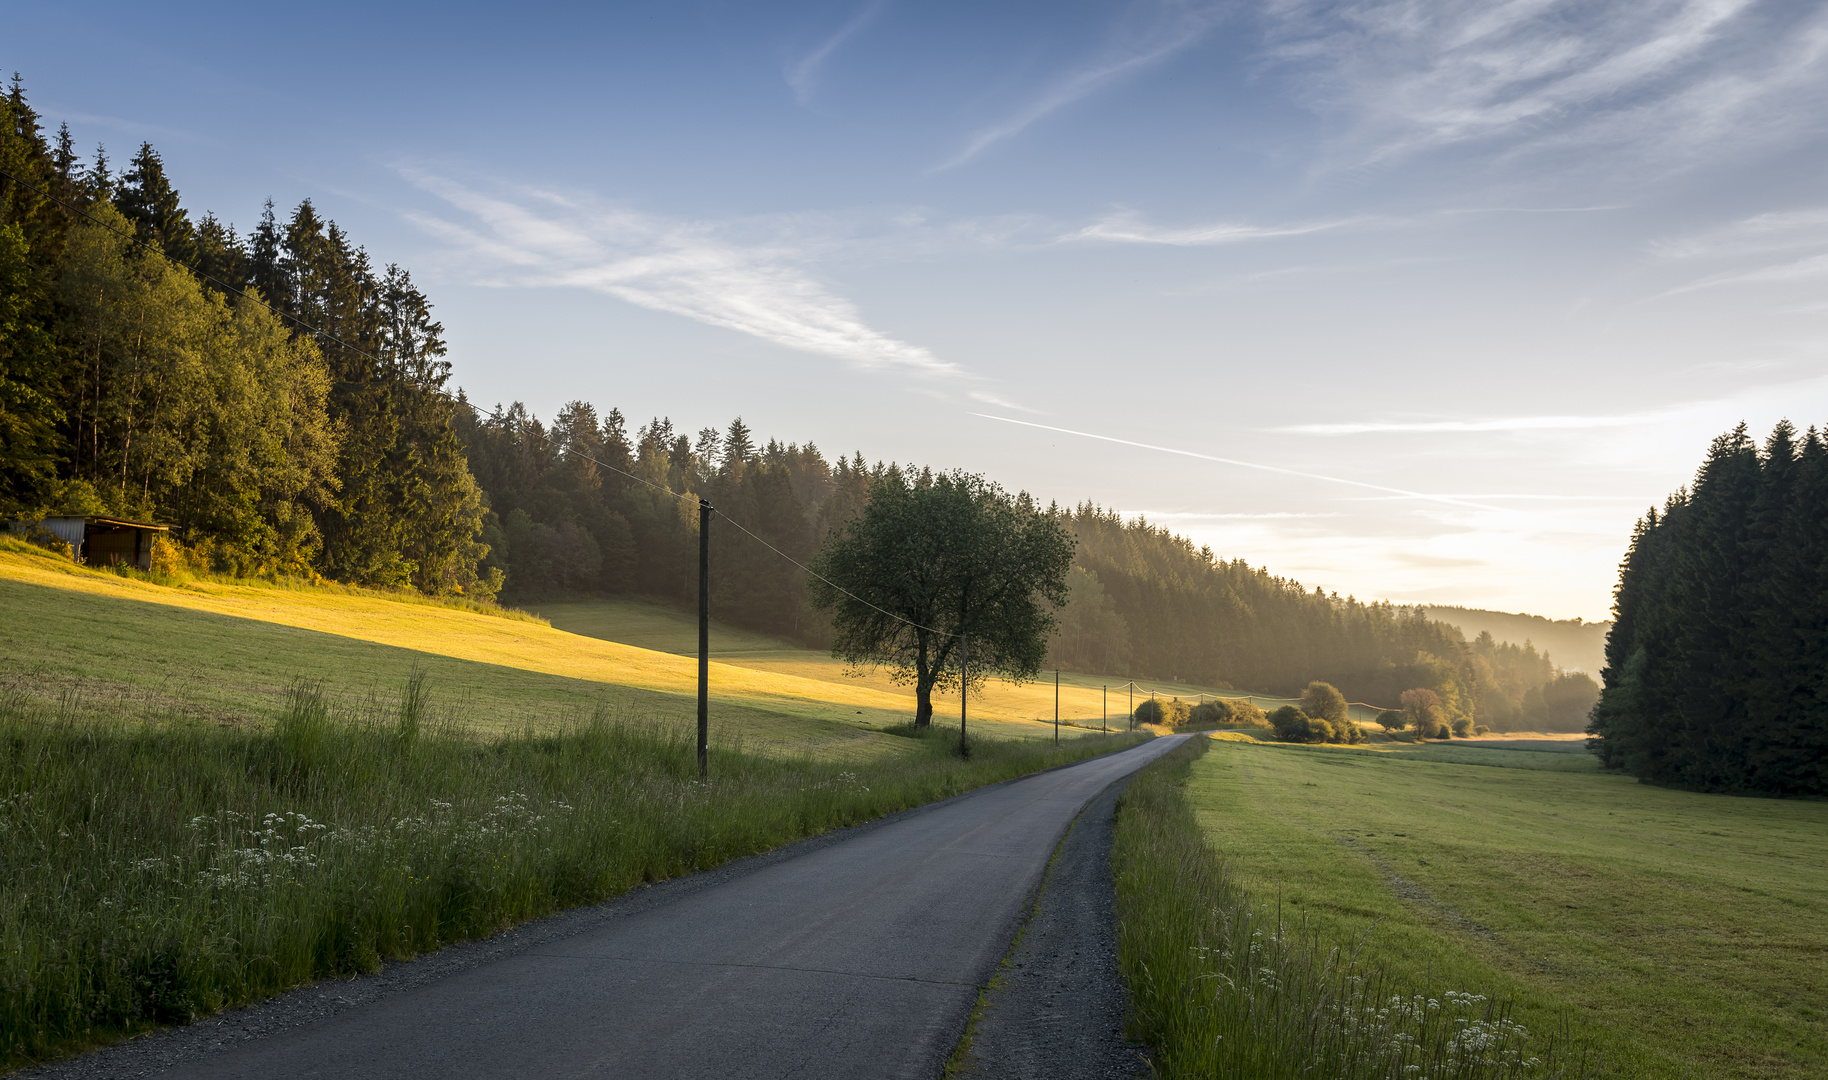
[(295, 320)]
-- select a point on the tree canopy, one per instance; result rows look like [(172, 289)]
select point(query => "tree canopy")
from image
[(932, 560), (143, 373), (1717, 667)]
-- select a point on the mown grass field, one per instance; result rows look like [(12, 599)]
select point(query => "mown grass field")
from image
[(1687, 932)]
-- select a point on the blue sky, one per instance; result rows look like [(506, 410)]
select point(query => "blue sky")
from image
[(1410, 299)]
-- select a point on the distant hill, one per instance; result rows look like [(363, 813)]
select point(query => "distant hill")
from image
[(1572, 643)]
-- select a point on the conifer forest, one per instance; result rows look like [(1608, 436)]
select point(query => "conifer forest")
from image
[(1717, 666)]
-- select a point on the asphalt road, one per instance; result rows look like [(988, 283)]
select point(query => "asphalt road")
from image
[(859, 958)]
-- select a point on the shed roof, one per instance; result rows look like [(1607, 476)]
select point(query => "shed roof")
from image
[(100, 519)]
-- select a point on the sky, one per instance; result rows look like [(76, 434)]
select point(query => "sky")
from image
[(1414, 300)]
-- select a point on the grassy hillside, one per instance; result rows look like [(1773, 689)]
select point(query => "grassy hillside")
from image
[(211, 791), (125, 646), (1686, 930), (1572, 643), (1085, 700)]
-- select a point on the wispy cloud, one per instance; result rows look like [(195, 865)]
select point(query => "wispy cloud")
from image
[(802, 75), (1446, 427), (1502, 496), (138, 129), (1127, 227), (1175, 515), (1815, 266), (1658, 77), (1760, 234), (1767, 249), (689, 268), (1449, 500), (1150, 32)]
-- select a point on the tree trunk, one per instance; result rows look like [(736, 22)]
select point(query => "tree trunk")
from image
[(924, 677)]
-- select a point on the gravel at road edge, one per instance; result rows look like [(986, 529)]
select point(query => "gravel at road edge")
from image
[(1058, 1011)]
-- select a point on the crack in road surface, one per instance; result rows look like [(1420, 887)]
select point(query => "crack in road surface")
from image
[(858, 954)]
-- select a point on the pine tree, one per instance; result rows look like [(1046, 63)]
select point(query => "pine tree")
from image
[(151, 203), (31, 241)]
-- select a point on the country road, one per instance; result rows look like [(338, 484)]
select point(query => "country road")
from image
[(861, 957)]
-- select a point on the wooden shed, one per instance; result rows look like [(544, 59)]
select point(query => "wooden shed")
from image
[(106, 541)]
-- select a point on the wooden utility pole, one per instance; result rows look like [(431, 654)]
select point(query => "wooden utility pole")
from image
[(1104, 721), (1132, 704), (1056, 706), (964, 686), (704, 639)]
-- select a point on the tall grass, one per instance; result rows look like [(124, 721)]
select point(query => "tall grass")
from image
[(154, 872), (1221, 987)]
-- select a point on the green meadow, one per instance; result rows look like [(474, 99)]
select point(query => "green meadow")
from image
[(211, 791), (1682, 934), (128, 646)]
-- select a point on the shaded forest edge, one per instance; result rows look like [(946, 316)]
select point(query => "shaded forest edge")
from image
[(1717, 666), (317, 438)]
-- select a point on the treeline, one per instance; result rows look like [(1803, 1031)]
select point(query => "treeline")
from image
[(561, 523), (1169, 610), (1143, 602), (1717, 667), (131, 385)]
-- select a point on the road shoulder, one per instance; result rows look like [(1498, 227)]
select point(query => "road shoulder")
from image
[(1056, 1006)]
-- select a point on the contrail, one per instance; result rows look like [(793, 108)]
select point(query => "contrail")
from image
[(1448, 499)]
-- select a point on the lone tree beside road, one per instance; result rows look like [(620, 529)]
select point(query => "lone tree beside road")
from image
[(936, 557)]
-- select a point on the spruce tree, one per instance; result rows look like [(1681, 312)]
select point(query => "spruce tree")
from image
[(151, 203), (1715, 666)]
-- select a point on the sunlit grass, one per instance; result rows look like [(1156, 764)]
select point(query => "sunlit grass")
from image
[(154, 871), (1227, 983), (1087, 702), (1685, 931)]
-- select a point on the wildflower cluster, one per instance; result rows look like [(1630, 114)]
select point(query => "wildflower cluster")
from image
[(844, 781), (277, 849)]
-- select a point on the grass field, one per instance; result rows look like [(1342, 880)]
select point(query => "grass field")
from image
[(1085, 700), (120, 646), (1687, 932), (213, 790)]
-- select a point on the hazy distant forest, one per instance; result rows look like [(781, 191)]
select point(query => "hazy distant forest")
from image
[(132, 385)]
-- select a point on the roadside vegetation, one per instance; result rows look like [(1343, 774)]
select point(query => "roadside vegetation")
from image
[(157, 871), (1667, 934), (1225, 982)]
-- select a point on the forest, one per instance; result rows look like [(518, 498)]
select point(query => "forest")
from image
[(572, 512), (1717, 668), (169, 377), (283, 403)]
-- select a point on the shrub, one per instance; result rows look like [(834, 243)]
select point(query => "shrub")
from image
[(1171, 713), (1247, 714), (1229, 712), (1391, 720), (1293, 725), (1216, 713), (1323, 701)]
